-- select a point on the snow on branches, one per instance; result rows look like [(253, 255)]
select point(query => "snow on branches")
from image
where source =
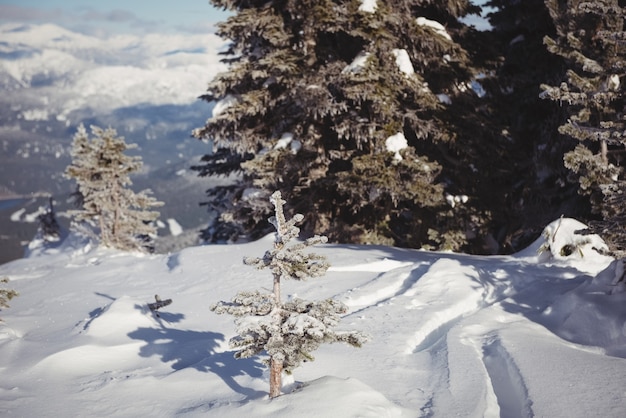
[(101, 169), (287, 331)]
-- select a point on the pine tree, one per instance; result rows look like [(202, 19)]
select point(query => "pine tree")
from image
[(537, 190), (592, 40), (6, 294), (102, 172), (343, 109), (49, 228), (287, 331)]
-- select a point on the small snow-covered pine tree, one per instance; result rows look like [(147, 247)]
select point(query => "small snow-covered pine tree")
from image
[(102, 173), (287, 331), (6, 294)]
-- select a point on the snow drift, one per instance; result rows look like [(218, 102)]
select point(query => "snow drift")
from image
[(532, 334)]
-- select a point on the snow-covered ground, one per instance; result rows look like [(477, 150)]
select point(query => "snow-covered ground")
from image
[(532, 334)]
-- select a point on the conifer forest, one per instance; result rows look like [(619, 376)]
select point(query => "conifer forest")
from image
[(400, 123), (358, 163)]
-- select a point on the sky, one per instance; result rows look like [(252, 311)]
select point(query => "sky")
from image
[(101, 18), (123, 16)]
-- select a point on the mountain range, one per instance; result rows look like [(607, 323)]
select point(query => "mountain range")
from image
[(146, 87)]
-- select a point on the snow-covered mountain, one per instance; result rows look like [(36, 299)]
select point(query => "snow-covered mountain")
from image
[(146, 87), (63, 72), (535, 334)]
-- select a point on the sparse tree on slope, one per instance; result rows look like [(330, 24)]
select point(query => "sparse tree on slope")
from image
[(340, 106), (102, 173), (592, 39), (49, 228), (6, 294), (287, 331)]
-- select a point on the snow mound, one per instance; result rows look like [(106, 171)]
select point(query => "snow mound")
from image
[(561, 242), (592, 314), (328, 396), (88, 359), (118, 319)]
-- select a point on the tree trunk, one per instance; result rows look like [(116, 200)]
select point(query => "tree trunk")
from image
[(604, 152), (276, 371)]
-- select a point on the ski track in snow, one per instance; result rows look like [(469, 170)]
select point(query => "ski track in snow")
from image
[(506, 381), (434, 321)]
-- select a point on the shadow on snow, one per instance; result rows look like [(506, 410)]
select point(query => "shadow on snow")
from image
[(198, 350)]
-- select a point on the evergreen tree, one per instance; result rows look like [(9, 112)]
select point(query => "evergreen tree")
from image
[(344, 109), (6, 294), (537, 190), (591, 38), (102, 173), (49, 228), (287, 331)]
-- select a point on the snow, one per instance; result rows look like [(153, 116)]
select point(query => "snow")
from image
[(286, 140), (396, 143), (17, 215), (537, 333), (444, 98), (35, 114), (174, 226), (368, 6), (223, 104), (437, 27), (357, 64), (403, 61), (80, 72), (454, 200), (613, 82)]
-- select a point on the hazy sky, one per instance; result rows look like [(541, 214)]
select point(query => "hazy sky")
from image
[(122, 16), (99, 17)]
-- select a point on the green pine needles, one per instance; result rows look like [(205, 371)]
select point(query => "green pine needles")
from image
[(287, 331)]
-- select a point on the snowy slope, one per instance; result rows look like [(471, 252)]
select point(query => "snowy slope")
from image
[(452, 335)]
